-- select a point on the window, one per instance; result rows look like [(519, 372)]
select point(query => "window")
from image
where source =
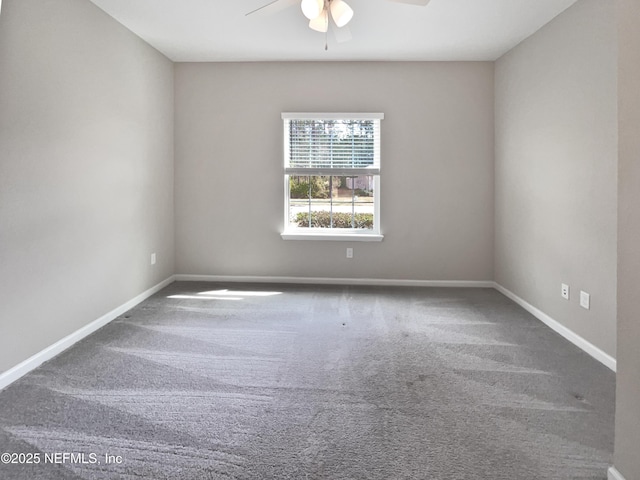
[(332, 176)]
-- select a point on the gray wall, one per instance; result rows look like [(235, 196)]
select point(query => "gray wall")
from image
[(86, 170), (437, 164), (556, 169), (626, 457)]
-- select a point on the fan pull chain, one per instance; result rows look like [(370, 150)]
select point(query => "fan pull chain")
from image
[(326, 41)]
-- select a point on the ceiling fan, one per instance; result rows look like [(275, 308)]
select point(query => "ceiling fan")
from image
[(319, 12)]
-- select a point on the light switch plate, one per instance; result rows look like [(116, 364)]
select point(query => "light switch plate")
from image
[(585, 300)]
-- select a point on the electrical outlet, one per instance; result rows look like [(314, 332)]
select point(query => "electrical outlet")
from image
[(349, 252), (565, 291), (153, 259), (585, 300)]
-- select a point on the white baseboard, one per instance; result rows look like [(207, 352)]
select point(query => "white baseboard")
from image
[(385, 282), (570, 335), (614, 474), (51, 351)]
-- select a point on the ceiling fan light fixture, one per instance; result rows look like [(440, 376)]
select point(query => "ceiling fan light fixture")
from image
[(341, 12), (312, 8), (320, 23)]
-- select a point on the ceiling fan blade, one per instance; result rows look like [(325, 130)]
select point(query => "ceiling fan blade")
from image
[(261, 8), (422, 3), (272, 7)]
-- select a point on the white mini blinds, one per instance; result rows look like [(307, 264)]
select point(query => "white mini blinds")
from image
[(332, 143)]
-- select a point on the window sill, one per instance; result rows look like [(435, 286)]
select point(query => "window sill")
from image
[(336, 237)]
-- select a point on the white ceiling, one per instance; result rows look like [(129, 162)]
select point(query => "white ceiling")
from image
[(218, 30)]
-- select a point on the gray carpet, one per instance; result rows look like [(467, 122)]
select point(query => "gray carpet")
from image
[(213, 381)]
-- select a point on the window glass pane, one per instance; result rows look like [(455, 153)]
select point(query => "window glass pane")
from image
[(338, 202)]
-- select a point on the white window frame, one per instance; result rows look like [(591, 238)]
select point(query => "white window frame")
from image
[(335, 234)]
